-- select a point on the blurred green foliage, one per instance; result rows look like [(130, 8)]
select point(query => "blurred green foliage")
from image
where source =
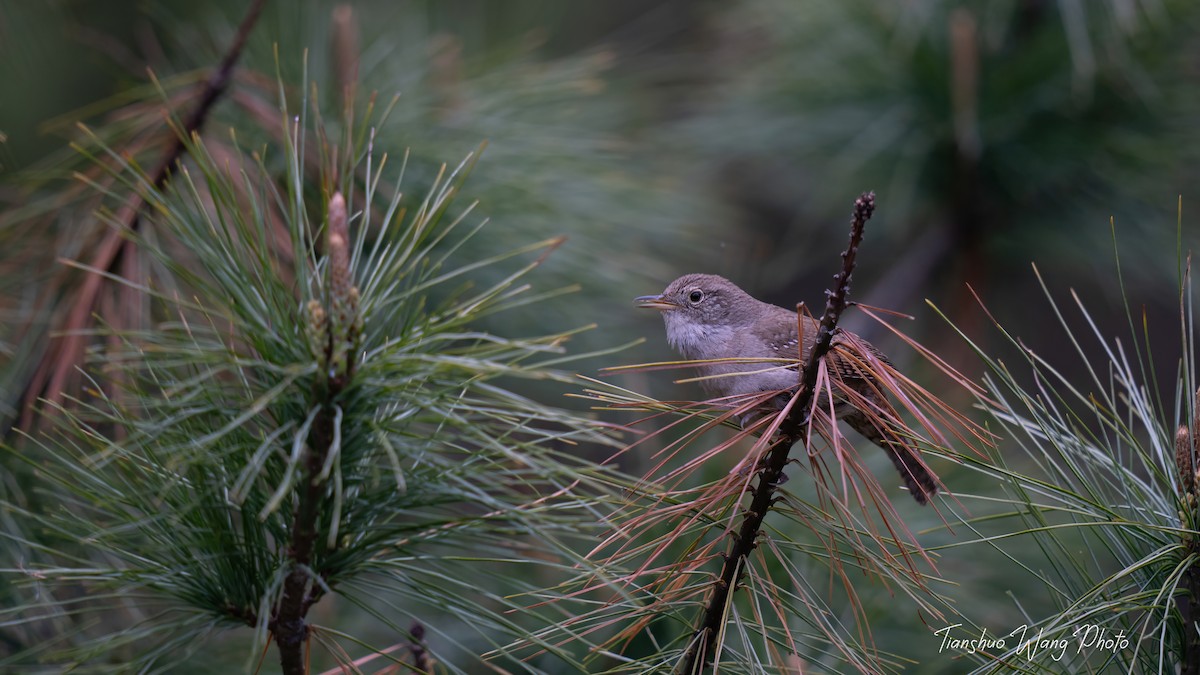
[(678, 136), (994, 133)]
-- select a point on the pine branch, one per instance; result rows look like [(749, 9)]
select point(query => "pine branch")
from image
[(290, 627), (214, 88), (61, 359), (334, 335), (792, 429)]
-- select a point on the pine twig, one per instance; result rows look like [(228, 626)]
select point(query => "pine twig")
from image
[(792, 429), (334, 333)]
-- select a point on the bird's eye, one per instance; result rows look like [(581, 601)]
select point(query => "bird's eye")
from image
[(695, 296)]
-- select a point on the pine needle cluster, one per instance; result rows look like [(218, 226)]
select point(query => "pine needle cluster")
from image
[(310, 417)]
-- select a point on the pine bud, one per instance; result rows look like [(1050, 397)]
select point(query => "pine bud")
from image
[(345, 324), (1184, 460)]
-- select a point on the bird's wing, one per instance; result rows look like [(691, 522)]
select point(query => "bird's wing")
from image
[(786, 338)]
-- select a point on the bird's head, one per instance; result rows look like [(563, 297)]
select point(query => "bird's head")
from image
[(699, 308)]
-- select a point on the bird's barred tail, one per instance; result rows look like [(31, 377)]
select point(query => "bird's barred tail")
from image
[(920, 482)]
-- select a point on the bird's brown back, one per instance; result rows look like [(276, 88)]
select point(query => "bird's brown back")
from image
[(842, 358)]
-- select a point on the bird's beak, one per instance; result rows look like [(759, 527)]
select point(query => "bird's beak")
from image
[(654, 302)]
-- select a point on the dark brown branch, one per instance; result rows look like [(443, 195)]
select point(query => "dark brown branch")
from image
[(792, 429), (216, 85), (64, 355), (290, 625), (333, 336)]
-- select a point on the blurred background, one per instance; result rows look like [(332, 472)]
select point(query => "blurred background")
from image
[(672, 136)]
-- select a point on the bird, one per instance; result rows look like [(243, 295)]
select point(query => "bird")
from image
[(709, 319)]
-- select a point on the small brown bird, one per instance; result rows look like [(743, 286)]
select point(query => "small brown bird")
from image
[(708, 317)]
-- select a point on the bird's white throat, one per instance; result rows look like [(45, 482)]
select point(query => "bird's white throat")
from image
[(695, 340)]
